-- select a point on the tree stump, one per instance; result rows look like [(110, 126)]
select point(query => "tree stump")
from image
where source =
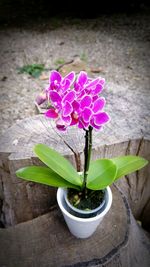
[(22, 201), (38, 234), (46, 241)]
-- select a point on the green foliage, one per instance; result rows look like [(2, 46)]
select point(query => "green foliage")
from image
[(102, 173), (43, 175), (58, 164), (60, 172), (128, 164), (34, 70)]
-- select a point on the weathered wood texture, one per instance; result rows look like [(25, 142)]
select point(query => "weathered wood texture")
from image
[(46, 241), (22, 201)]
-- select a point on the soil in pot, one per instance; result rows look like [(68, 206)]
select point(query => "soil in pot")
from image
[(87, 202)]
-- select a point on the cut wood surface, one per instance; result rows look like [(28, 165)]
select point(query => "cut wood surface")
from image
[(35, 233), (22, 201), (46, 241)]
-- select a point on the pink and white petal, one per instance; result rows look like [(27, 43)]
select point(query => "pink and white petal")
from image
[(55, 76), (85, 101), (88, 91), (94, 98), (70, 96), (67, 109), (101, 118), (93, 83), (98, 104), (41, 98), (102, 81), (61, 128), (51, 113), (82, 78), (86, 115), (55, 97), (95, 126), (76, 105), (67, 120), (65, 85), (98, 89), (74, 120), (70, 76), (80, 125), (81, 94), (86, 124), (76, 86), (60, 125), (55, 85)]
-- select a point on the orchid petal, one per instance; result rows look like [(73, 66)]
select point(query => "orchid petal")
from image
[(69, 97), (67, 109), (74, 119), (102, 81), (55, 76), (55, 97), (93, 83), (101, 118), (41, 98), (86, 114), (75, 105), (94, 125), (81, 94), (51, 113), (67, 119), (98, 104), (54, 85), (80, 125), (85, 101), (98, 89), (94, 98), (76, 86), (70, 76), (65, 85), (82, 78), (61, 127)]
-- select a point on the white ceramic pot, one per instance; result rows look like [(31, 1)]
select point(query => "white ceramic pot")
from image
[(83, 227)]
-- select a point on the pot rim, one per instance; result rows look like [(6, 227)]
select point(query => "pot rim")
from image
[(102, 214)]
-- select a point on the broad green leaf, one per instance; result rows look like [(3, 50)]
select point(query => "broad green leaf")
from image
[(58, 164), (43, 175), (102, 173), (128, 164)]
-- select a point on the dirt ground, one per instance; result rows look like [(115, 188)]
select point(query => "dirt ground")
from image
[(117, 44)]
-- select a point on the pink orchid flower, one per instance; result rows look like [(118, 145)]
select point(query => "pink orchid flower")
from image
[(80, 105)]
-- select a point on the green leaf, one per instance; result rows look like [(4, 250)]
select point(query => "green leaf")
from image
[(43, 175), (34, 70), (102, 173), (128, 164), (58, 164)]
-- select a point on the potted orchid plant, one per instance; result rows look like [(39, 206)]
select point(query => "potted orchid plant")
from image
[(84, 198)]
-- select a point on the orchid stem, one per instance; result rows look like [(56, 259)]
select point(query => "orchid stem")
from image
[(87, 155)]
